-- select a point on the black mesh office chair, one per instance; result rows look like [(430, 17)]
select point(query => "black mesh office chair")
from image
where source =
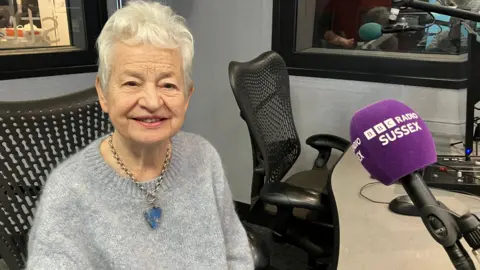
[(262, 90), (35, 136)]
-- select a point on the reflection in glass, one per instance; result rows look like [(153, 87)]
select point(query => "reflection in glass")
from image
[(41, 23), (334, 24)]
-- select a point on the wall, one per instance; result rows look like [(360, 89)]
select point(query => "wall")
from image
[(224, 30), (44, 87)]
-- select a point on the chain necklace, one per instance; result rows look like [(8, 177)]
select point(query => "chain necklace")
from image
[(154, 212)]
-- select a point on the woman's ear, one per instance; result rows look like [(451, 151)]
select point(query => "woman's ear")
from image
[(189, 95), (101, 95)]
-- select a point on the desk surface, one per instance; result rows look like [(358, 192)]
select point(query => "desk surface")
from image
[(372, 237)]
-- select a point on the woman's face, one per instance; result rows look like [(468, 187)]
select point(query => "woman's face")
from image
[(146, 97)]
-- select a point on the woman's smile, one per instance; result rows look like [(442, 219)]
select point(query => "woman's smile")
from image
[(150, 122)]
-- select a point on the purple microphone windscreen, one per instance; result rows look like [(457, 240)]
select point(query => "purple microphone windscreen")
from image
[(391, 140)]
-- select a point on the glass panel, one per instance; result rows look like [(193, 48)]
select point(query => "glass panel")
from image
[(26, 24), (335, 24)]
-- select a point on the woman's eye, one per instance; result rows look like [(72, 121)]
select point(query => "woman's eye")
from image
[(131, 83), (169, 86)]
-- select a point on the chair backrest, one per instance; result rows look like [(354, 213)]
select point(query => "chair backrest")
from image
[(262, 90), (35, 136)]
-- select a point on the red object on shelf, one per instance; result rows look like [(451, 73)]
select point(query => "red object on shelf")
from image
[(10, 32)]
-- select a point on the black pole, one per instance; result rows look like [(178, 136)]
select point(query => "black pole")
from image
[(445, 10), (459, 257), (441, 225), (473, 95)]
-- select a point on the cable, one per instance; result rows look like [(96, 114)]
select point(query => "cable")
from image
[(439, 32), (432, 22), (446, 209), (455, 143), (371, 200), (364, 187)]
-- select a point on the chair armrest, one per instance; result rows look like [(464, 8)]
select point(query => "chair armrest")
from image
[(286, 195), (322, 141), (259, 248)]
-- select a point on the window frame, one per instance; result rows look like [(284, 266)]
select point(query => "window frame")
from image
[(37, 62), (359, 67)]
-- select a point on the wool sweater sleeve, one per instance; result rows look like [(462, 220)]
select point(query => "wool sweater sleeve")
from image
[(55, 239), (239, 255)]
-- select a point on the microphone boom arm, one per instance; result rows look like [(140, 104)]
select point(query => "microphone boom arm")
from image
[(469, 225), (444, 10), (440, 223)]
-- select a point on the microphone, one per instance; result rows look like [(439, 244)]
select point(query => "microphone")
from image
[(370, 31), (393, 143), (391, 140)]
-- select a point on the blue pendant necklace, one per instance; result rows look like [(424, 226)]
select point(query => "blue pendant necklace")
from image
[(154, 212)]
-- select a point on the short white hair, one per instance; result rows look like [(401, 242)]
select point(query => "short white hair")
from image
[(144, 22)]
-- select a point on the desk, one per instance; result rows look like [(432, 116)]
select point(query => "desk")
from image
[(371, 237)]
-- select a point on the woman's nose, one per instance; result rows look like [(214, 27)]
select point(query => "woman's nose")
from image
[(151, 99)]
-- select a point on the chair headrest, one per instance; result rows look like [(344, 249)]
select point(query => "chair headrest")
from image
[(70, 102)]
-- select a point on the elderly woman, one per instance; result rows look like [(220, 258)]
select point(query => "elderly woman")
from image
[(147, 196)]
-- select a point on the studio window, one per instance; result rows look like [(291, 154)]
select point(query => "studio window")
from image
[(49, 37), (342, 39)]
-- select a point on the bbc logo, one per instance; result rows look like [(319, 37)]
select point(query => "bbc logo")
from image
[(369, 134), (379, 128), (389, 123)]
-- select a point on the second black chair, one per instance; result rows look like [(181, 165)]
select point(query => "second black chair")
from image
[(262, 91)]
